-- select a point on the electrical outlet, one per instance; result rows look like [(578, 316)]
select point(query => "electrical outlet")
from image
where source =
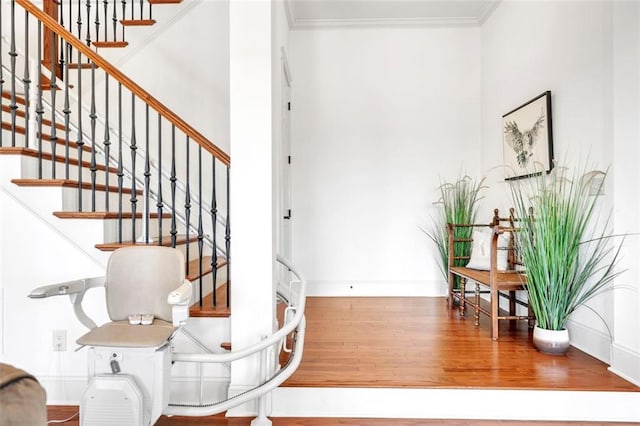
[(59, 340)]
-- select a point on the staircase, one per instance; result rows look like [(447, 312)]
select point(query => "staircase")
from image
[(108, 154)]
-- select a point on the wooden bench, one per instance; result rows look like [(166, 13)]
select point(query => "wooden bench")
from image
[(503, 281)]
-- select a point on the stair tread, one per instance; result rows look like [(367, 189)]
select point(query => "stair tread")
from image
[(110, 44), (70, 183), (105, 215), (165, 241), (208, 310), (45, 137), (226, 346), (19, 99), (30, 152), (193, 267), (20, 113), (84, 66), (137, 22)]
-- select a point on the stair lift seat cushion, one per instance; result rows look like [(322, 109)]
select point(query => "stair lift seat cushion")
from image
[(138, 281), (122, 334)]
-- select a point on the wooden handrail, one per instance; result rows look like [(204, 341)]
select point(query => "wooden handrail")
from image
[(142, 94)]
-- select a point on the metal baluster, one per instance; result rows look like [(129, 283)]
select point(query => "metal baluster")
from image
[(66, 110), (200, 228), (97, 21), (227, 239), (141, 9), (124, 14), (159, 202), (214, 221), (147, 177), (70, 22), (105, 3), (92, 115), (150, 10), (79, 19), (27, 83), (187, 205), (173, 179), (80, 141), (39, 107), (61, 15), (88, 39), (13, 106), (107, 140), (133, 148), (53, 89), (114, 19), (120, 167)]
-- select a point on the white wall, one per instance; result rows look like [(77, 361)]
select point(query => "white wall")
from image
[(379, 115), (625, 354), (566, 47), (183, 61)]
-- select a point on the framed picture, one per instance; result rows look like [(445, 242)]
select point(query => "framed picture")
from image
[(527, 138)]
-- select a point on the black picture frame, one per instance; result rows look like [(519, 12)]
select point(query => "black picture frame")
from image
[(527, 138)]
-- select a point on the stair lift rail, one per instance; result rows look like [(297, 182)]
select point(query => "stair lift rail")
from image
[(295, 325)]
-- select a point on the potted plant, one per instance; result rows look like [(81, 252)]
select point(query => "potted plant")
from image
[(459, 202), (569, 257)]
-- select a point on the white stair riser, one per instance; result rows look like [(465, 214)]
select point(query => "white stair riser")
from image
[(30, 171), (71, 197)]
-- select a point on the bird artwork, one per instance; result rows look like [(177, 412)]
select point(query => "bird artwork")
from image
[(523, 142)]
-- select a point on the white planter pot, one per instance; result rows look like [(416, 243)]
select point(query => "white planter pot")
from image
[(554, 342)]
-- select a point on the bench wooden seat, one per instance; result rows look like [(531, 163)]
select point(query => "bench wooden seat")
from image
[(498, 282)]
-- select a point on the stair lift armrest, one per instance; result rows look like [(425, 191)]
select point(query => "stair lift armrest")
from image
[(75, 290), (180, 299)]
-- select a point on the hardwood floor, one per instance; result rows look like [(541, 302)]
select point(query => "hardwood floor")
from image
[(418, 343)]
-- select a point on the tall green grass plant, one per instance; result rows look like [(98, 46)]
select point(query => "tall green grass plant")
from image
[(569, 255), (459, 204)]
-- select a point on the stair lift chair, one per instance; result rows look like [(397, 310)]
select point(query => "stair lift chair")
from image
[(129, 365)]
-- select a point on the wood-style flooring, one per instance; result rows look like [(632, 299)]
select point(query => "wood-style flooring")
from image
[(418, 343)]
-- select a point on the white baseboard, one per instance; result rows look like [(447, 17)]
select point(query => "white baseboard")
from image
[(594, 342), (317, 288), (445, 404), (625, 363), (63, 390), (68, 390)]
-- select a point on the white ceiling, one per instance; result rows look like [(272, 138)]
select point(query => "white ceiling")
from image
[(331, 13)]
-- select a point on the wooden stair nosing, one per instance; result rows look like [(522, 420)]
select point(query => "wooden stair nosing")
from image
[(19, 98), (105, 215), (208, 310), (110, 44), (45, 137), (165, 241), (70, 183), (193, 267), (83, 65), (20, 113), (226, 346), (137, 22), (30, 152)]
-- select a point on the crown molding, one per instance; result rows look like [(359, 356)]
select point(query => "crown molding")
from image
[(488, 11), (288, 10), (417, 22), (308, 24)]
